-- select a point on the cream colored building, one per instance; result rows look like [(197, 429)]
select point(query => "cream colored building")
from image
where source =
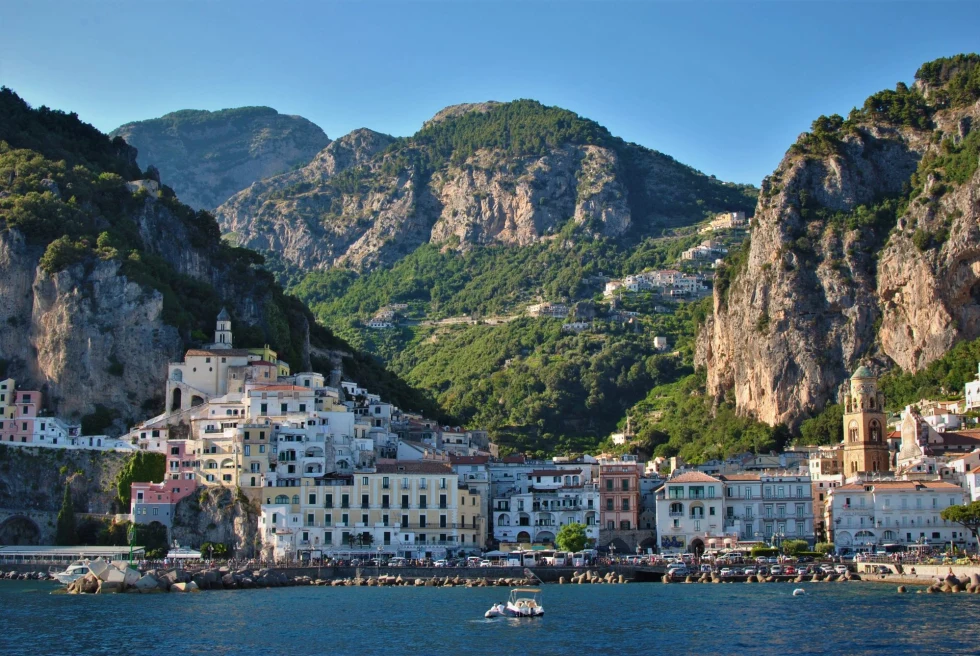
[(409, 509)]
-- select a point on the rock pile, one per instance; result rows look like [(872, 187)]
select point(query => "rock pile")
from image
[(435, 582), (25, 576)]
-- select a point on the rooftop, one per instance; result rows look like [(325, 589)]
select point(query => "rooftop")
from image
[(861, 373), (234, 353), (693, 477), (468, 460), (553, 472), (413, 467)]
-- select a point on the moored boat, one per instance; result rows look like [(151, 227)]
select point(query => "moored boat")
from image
[(73, 572)]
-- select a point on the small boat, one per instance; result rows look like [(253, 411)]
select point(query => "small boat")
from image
[(524, 602), (497, 610), (73, 572), (799, 592)]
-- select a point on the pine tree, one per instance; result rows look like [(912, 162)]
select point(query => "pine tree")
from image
[(65, 535)]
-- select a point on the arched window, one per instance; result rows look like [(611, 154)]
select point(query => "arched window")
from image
[(875, 431), (852, 432), (871, 402), (282, 498)]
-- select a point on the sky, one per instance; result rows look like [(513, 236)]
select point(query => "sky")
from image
[(723, 86)]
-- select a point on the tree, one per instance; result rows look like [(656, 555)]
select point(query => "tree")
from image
[(65, 532), (572, 537), (143, 467), (794, 547), (824, 547), (968, 516)]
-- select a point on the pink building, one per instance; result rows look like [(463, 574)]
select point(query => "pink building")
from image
[(154, 502)]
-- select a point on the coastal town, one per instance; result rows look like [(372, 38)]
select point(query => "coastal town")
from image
[(338, 473)]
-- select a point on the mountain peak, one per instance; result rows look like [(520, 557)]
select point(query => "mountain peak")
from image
[(463, 108)]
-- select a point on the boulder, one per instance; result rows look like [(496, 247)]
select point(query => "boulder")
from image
[(109, 587), (179, 587), (193, 587), (97, 567), (145, 583)]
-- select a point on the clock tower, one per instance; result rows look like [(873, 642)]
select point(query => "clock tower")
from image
[(865, 448)]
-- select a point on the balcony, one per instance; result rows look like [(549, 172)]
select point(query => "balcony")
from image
[(679, 513)]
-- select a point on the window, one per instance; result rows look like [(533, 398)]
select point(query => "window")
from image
[(312, 498), (345, 501), (675, 492), (263, 408), (385, 483), (384, 501), (364, 501), (302, 407), (609, 504), (261, 448), (609, 485), (626, 485), (711, 491), (442, 521), (624, 525), (405, 501), (421, 521), (364, 480), (309, 521), (626, 504), (442, 501), (711, 510), (248, 449), (328, 501)]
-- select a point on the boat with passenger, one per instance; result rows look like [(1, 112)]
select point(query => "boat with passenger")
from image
[(524, 602)]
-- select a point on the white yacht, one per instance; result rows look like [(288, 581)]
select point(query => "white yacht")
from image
[(73, 572)]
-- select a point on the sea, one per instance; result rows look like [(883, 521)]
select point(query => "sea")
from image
[(638, 618)]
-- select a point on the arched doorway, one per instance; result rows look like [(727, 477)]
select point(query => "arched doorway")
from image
[(196, 400), (649, 543), (545, 536), (175, 399), (697, 547), (19, 530), (523, 536)]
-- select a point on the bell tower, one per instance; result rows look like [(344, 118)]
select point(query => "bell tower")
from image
[(222, 331), (865, 448)]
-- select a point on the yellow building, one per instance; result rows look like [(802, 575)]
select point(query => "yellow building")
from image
[(406, 508), (267, 354), (7, 389)]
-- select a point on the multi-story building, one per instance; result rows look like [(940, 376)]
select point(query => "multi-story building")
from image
[(873, 513), (689, 512), (542, 501), (154, 502), (409, 509), (769, 507), (21, 422), (619, 489)]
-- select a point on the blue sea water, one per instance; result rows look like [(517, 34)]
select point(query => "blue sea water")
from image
[(653, 618)]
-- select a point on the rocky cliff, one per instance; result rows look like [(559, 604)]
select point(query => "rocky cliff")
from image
[(105, 277), (862, 247), (208, 156), (489, 173), (219, 515)]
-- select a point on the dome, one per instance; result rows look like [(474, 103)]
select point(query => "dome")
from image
[(862, 372)]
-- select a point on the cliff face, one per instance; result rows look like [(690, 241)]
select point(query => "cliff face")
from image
[(489, 173), (833, 274), (208, 156), (220, 516)]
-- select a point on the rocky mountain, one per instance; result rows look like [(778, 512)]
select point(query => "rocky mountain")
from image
[(474, 175), (863, 248), (105, 277), (206, 157)]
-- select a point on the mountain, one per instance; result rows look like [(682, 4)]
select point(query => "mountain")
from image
[(484, 174), (206, 157), (105, 277), (863, 249)]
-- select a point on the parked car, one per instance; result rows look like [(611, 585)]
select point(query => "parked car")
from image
[(750, 571), (776, 570), (440, 563), (706, 569), (841, 569), (725, 571), (789, 569), (485, 563), (678, 569), (761, 560)]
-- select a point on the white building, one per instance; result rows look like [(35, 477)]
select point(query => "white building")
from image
[(689, 513), (769, 507), (870, 514), (972, 392), (542, 502)]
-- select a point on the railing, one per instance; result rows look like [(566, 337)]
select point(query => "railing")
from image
[(676, 513)]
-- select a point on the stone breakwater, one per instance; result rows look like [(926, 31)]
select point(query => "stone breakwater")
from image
[(714, 577)]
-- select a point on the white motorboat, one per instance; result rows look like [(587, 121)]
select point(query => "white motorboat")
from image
[(183, 553), (799, 592), (524, 602), (73, 572), (497, 610)]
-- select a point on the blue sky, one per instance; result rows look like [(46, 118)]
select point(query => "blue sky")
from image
[(723, 86)]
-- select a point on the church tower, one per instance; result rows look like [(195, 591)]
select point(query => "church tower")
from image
[(222, 331), (865, 448)]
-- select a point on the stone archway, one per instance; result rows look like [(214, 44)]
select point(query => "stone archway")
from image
[(523, 536), (20, 530), (175, 400), (697, 547)]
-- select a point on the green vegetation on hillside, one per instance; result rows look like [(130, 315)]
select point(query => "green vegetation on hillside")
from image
[(678, 420), (63, 186), (942, 379), (956, 79), (143, 467)]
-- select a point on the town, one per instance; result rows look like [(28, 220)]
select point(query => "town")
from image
[(339, 473)]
